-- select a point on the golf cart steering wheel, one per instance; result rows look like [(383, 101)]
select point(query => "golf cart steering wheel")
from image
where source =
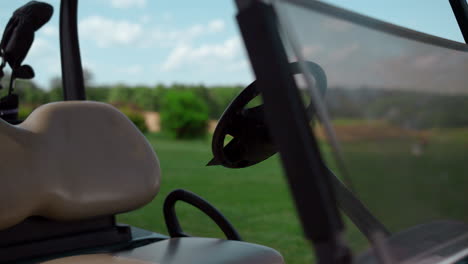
[(172, 222), (251, 141)]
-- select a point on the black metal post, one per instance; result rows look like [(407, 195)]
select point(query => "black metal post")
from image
[(286, 117), (72, 72), (460, 9)]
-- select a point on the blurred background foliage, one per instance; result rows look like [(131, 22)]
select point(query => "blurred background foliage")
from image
[(144, 98), (188, 108), (192, 106), (137, 118), (185, 114)]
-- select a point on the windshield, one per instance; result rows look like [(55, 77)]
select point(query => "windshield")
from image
[(393, 119)]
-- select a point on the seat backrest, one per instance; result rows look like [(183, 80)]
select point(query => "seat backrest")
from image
[(74, 160)]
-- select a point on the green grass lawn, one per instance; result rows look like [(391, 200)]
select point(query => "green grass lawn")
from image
[(256, 200), (400, 188)]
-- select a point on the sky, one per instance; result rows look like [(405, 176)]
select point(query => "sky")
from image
[(146, 42)]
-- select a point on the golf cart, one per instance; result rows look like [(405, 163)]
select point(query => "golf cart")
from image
[(347, 101)]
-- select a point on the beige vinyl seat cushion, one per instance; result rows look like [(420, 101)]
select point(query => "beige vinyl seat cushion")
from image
[(74, 160), (188, 250)]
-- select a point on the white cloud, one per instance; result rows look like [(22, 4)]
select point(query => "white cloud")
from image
[(49, 31), (169, 37), (89, 65), (44, 57), (123, 4), (107, 32), (40, 47), (207, 54), (176, 58), (216, 25), (145, 19), (239, 65)]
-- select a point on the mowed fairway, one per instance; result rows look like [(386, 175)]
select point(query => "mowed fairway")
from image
[(402, 188)]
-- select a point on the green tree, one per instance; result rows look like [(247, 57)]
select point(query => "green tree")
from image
[(98, 93), (144, 98), (136, 117), (183, 114), (120, 94), (29, 93)]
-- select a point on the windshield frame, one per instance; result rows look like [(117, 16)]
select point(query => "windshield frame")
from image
[(260, 31), (309, 182)]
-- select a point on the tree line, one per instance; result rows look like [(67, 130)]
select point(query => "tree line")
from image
[(140, 97), (410, 109)]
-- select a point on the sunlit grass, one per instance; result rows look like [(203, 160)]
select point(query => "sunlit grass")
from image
[(401, 189), (256, 200)]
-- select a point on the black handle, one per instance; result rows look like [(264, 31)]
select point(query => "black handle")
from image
[(173, 225), (72, 71)]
